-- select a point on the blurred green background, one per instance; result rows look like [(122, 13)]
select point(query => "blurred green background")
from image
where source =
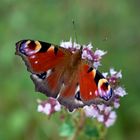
[(110, 25)]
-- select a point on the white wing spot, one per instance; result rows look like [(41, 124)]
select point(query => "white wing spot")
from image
[(78, 89), (36, 78), (36, 62), (90, 93), (49, 72), (62, 88), (78, 102)]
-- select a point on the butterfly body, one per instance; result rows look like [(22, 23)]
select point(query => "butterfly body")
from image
[(57, 72)]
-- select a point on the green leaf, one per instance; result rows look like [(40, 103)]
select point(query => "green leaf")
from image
[(66, 129), (91, 131)]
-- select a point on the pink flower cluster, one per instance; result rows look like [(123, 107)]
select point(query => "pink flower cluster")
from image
[(102, 112), (87, 52), (49, 106)]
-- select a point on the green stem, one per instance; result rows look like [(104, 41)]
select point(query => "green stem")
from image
[(103, 132), (79, 125)]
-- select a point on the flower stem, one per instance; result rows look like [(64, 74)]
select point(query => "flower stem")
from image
[(79, 125)]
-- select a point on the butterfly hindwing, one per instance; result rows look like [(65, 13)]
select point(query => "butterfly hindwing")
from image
[(50, 85), (85, 89), (94, 88), (67, 95)]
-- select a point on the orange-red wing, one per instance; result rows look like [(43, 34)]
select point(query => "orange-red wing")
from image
[(88, 87), (93, 86), (67, 95), (46, 62), (40, 56)]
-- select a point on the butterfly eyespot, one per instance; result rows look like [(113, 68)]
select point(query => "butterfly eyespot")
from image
[(28, 42), (29, 47), (104, 89), (103, 83), (38, 46), (33, 45)]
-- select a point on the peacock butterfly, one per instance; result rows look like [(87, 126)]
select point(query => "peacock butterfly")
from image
[(60, 73)]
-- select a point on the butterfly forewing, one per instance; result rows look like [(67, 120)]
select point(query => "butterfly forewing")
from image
[(46, 63), (40, 56)]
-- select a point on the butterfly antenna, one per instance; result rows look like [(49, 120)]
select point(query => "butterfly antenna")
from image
[(74, 28), (75, 34)]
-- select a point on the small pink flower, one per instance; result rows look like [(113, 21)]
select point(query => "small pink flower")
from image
[(47, 109), (115, 73), (72, 46), (107, 109), (120, 91), (114, 77), (96, 64), (67, 44), (102, 113), (100, 118), (87, 54), (105, 74), (49, 106), (91, 111), (57, 107), (93, 56), (98, 55), (116, 103), (101, 107), (44, 108), (111, 119)]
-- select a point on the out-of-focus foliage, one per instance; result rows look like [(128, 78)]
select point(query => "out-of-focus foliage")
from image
[(110, 25)]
